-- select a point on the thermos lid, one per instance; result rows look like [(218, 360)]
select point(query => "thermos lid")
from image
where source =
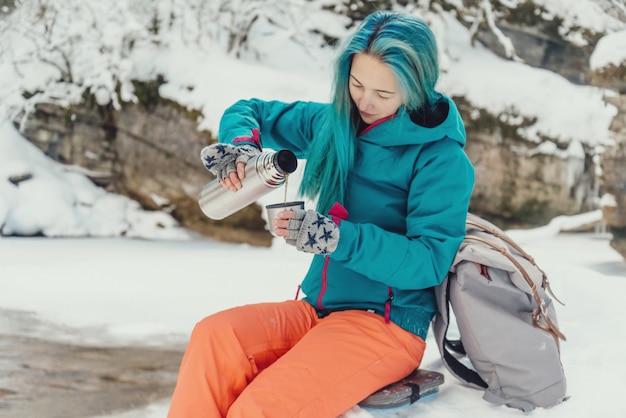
[(285, 161)]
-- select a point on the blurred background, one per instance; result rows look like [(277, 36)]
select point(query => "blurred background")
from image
[(115, 100)]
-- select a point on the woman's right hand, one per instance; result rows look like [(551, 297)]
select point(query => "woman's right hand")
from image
[(227, 162), (233, 180)]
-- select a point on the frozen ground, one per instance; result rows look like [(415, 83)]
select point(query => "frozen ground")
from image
[(116, 293)]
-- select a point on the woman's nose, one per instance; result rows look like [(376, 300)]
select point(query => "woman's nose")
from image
[(366, 101)]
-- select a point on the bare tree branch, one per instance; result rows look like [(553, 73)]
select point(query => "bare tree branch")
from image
[(485, 15)]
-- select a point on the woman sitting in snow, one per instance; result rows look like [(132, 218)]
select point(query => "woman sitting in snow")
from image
[(386, 165)]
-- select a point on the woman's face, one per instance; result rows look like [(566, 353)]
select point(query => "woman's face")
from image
[(373, 88)]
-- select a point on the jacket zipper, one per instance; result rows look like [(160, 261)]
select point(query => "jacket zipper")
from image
[(337, 213)]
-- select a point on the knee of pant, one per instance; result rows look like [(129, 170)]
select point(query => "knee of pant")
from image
[(228, 328), (212, 328), (207, 324), (215, 322), (218, 343)]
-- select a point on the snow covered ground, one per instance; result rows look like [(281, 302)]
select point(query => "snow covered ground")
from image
[(111, 291)]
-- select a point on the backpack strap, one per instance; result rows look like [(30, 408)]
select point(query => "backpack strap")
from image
[(440, 329), (545, 284), (542, 311)]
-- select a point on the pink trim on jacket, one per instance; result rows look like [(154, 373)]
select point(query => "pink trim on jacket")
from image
[(388, 305), (378, 122), (337, 214), (255, 139)]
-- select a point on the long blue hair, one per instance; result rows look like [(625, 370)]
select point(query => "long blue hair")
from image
[(407, 45)]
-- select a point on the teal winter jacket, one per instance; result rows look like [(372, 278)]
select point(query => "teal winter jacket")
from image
[(407, 200)]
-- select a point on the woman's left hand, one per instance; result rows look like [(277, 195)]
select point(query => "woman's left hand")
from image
[(308, 231)]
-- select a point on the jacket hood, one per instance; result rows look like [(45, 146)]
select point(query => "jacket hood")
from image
[(411, 128)]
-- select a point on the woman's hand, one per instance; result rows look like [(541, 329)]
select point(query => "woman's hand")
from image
[(228, 162), (281, 222), (309, 231), (233, 180)]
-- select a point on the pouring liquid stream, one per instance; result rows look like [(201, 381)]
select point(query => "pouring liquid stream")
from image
[(286, 185)]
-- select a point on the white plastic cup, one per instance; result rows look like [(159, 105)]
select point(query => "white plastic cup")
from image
[(275, 208)]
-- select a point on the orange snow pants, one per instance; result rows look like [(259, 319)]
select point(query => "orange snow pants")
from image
[(280, 360)]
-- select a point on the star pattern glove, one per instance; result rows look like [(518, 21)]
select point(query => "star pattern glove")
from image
[(312, 232), (221, 159)]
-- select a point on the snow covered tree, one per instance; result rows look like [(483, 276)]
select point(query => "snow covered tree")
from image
[(62, 50)]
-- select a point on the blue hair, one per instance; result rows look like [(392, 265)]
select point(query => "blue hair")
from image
[(407, 45)]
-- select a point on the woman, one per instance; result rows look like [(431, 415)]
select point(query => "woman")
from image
[(385, 163)]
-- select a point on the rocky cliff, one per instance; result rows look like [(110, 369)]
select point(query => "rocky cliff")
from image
[(149, 150)]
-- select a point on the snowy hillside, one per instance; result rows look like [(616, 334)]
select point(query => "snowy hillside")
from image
[(59, 52)]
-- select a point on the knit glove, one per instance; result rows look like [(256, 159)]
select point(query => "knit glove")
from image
[(221, 159), (312, 232)]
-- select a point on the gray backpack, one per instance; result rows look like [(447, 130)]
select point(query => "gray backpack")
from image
[(506, 321)]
